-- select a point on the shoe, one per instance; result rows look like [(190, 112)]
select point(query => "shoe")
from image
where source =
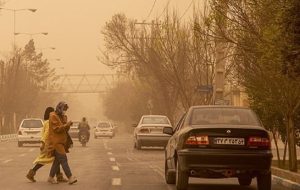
[(60, 178), (31, 175), (72, 180), (52, 180)]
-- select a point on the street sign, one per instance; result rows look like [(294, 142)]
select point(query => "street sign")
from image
[(205, 88)]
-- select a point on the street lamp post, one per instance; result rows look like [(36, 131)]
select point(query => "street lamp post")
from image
[(51, 48), (31, 34), (55, 59), (14, 12)]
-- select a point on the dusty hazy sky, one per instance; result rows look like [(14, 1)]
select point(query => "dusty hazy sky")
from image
[(74, 27)]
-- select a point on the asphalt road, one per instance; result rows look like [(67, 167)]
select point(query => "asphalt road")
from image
[(105, 164)]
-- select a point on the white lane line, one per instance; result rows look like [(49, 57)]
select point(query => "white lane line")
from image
[(109, 153), (116, 181), (6, 161), (112, 159), (22, 155), (157, 170), (31, 150), (115, 168)]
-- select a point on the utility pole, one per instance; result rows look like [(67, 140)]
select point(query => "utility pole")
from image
[(220, 53)]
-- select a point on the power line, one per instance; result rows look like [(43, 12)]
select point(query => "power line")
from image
[(151, 10), (167, 5), (190, 5)]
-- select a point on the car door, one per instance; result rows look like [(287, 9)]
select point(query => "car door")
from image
[(171, 147)]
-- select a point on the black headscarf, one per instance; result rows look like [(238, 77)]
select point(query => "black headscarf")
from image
[(47, 112), (60, 107)]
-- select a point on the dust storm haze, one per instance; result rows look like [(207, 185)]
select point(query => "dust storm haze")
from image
[(74, 36)]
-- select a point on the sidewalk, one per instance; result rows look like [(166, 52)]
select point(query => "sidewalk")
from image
[(282, 177)]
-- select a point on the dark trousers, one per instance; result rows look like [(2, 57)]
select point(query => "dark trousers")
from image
[(60, 159), (38, 166)]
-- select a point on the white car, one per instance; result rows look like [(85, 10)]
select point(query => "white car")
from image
[(104, 129), (30, 131), (149, 131)]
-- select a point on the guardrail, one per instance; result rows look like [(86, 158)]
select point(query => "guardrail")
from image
[(8, 137)]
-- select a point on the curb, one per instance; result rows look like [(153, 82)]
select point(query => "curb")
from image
[(8, 137), (285, 183)]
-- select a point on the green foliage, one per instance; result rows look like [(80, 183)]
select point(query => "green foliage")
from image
[(23, 76)]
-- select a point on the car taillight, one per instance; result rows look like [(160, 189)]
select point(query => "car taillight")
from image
[(20, 132), (144, 131), (197, 140), (259, 142)]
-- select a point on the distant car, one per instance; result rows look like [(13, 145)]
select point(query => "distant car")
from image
[(74, 130), (149, 131), (104, 129), (30, 131), (218, 142)]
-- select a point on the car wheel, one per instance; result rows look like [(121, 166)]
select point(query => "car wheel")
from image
[(169, 176), (20, 144), (264, 181), (138, 145), (245, 180), (182, 178)]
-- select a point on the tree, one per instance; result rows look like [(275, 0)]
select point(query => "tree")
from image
[(167, 56), (24, 75), (261, 43)]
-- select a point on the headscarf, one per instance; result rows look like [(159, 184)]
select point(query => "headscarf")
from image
[(60, 108), (47, 113)]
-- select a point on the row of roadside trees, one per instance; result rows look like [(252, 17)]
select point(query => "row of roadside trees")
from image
[(24, 74), (168, 60)]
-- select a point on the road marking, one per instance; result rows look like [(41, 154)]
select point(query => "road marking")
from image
[(6, 161), (109, 153), (115, 168), (112, 159), (157, 170), (22, 155), (31, 150), (116, 181)]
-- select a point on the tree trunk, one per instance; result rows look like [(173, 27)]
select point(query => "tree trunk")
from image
[(284, 152), (292, 145), (277, 150)]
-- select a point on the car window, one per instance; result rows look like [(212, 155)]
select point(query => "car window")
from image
[(155, 120), (180, 123), (231, 116), (32, 124), (103, 125)]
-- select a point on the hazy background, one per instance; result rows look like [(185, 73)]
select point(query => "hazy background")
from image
[(74, 28)]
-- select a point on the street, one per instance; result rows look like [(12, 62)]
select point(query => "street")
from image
[(106, 164)]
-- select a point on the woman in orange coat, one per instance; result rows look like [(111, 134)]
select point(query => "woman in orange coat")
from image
[(59, 142)]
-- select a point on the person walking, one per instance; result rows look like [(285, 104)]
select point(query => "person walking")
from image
[(44, 158), (60, 142), (84, 129)]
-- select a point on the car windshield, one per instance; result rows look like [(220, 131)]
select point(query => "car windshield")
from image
[(75, 125), (230, 116), (103, 125), (32, 124), (155, 120)]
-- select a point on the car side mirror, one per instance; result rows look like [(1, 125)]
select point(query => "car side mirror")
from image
[(168, 130), (134, 125)]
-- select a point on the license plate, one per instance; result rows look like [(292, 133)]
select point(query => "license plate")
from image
[(229, 141)]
